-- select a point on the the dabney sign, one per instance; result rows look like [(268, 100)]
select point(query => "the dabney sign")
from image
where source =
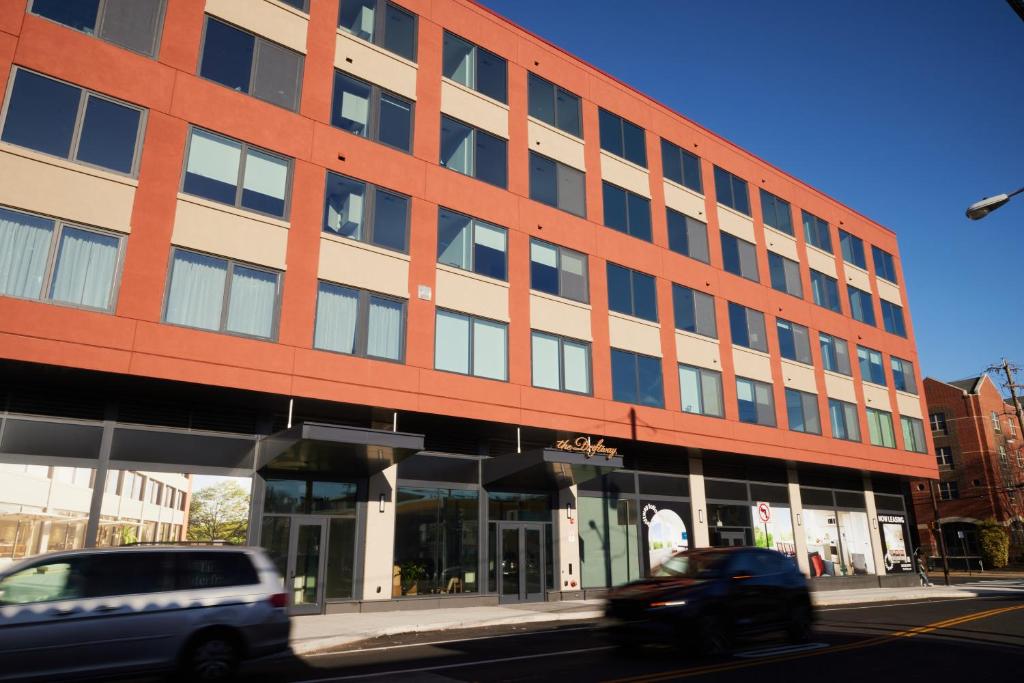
[(584, 445)]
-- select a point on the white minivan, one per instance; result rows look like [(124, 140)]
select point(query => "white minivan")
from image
[(83, 613)]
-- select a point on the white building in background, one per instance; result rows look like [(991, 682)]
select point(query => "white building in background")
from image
[(44, 509)]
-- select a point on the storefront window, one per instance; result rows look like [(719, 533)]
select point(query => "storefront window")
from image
[(838, 543), (437, 540), (341, 556), (729, 525), (285, 496), (777, 532), (609, 547), (666, 530), (519, 507)]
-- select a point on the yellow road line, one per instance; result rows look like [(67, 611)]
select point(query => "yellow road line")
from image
[(871, 642)]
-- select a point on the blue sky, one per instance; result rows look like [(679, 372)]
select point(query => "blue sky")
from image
[(906, 111)]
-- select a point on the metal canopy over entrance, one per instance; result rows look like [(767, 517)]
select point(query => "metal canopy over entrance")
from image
[(547, 469), (313, 447)]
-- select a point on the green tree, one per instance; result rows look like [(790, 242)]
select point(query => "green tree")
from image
[(219, 513), (995, 543)]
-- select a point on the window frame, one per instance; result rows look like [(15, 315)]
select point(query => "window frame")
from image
[(373, 122), (938, 423), (275, 325), (243, 155), (362, 324), (475, 56), (855, 246), (784, 262), (558, 267), (849, 410), (911, 422), (746, 322), (892, 428), (814, 291), (892, 317), (680, 290), (996, 427), (888, 262), (622, 138), (628, 195), (723, 236), (668, 146), (944, 458), (771, 394), (471, 344), (561, 339), (868, 319), (780, 327), (834, 341), (636, 378), (949, 490), (76, 136), (369, 213), (380, 27), (473, 221), (820, 227), (733, 179), (157, 34), (632, 294), (555, 89), (700, 397), (806, 399), (687, 220), (893, 362), (776, 201), (475, 131), (53, 252), (558, 186), (881, 364)]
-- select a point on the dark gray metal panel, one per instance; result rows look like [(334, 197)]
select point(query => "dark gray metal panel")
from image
[(314, 447), (544, 470), (51, 438), (177, 451)]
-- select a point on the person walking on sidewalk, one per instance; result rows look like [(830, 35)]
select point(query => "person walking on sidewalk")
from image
[(922, 561)]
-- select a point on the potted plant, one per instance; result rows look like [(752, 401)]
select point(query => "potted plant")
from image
[(412, 572)]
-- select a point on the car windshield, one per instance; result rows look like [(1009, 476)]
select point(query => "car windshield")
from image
[(698, 566)]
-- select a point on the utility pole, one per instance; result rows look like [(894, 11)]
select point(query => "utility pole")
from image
[(1010, 369), (938, 532)]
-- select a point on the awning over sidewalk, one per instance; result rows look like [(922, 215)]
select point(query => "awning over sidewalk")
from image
[(332, 449), (547, 469)]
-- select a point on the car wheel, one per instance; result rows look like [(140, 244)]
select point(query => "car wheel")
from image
[(712, 636), (799, 628), (212, 657)]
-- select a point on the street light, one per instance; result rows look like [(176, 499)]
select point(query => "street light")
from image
[(979, 210)]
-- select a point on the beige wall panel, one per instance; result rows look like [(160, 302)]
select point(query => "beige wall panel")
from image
[(909, 405), (268, 19), (618, 172), (888, 291), (469, 294), (228, 234), (560, 317), (378, 561), (473, 108), (736, 224), (553, 143), (375, 65), (27, 181), (821, 261), (632, 335), (781, 243), (693, 349), (351, 263), (799, 376), (685, 201), (858, 278), (751, 364), (876, 397), (840, 387)]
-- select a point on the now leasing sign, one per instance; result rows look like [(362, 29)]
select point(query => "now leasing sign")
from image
[(584, 445)]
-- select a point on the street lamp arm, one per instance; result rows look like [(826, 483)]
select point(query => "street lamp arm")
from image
[(979, 210)]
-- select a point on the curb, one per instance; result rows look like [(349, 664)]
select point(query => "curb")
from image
[(902, 597)]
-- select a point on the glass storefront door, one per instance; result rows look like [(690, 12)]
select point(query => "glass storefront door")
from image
[(521, 569), (305, 565)]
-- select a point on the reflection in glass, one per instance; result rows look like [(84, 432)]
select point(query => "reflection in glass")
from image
[(436, 541)]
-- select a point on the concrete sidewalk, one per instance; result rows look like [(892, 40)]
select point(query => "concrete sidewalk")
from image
[(325, 631)]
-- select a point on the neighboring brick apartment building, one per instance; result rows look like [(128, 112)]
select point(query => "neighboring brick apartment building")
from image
[(476, 321), (980, 456)]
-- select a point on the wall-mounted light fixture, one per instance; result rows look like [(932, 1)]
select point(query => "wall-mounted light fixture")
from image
[(874, 522), (382, 502), (568, 510), (799, 521), (700, 515)]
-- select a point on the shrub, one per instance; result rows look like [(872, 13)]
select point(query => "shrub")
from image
[(995, 544)]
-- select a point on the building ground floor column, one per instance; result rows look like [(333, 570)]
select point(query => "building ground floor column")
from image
[(874, 529), (379, 573), (698, 504), (796, 510), (566, 542)]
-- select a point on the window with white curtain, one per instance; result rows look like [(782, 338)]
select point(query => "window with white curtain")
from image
[(560, 363), (220, 295), (471, 346), (42, 258), (365, 212), (235, 173), (359, 322)]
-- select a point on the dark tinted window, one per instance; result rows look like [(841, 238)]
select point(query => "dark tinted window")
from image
[(885, 268), (554, 105), (215, 569), (687, 236), (852, 248), (731, 191), (227, 55), (636, 378), (108, 135), (128, 573), (77, 14), (395, 122), (681, 166), (491, 164), (627, 212), (817, 233), (400, 32), (622, 138), (41, 114), (776, 213)]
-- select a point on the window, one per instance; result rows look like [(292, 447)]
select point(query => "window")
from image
[(861, 306), (435, 549), (885, 268), (731, 191), (903, 375), (470, 244), (473, 152), (835, 355), (845, 423), (632, 292), (301, 5), (559, 271), (380, 23), (802, 412), (687, 236), (56, 118), (636, 379), (471, 346), (825, 290), (217, 294), (756, 404), (132, 25), (555, 184), (359, 323), (251, 64), (816, 232), (475, 67), (794, 341), (852, 248), (892, 318), (944, 457), (367, 213), (938, 421), (622, 138), (627, 212), (694, 311), (948, 490), (81, 270), (1013, 427), (554, 105), (700, 391), (739, 257), (776, 212), (785, 275), (913, 434), (366, 110), (880, 428), (560, 363), (235, 173), (1002, 455), (681, 166), (995, 423), (871, 369), (747, 327)]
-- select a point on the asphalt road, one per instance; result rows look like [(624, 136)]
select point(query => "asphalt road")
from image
[(926, 640)]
